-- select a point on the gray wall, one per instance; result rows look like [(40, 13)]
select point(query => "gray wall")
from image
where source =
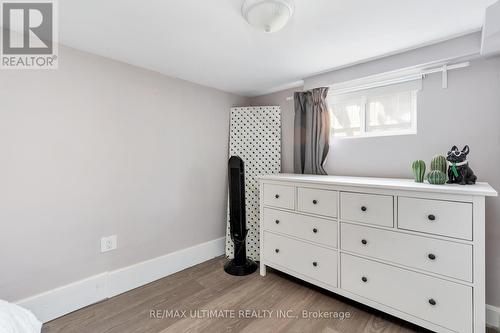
[(97, 148), (468, 112)]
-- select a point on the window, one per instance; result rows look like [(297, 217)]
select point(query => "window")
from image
[(389, 110)]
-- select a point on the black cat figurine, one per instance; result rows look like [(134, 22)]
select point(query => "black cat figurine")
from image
[(459, 171)]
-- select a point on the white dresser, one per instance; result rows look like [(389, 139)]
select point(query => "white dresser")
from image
[(413, 250)]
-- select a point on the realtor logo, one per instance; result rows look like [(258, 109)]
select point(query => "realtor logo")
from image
[(29, 35)]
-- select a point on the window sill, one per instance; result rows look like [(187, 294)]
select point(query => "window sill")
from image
[(374, 135)]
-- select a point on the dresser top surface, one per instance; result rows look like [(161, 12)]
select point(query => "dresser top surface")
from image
[(479, 189)]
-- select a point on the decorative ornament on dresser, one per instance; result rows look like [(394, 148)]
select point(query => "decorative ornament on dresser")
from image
[(437, 174), (439, 163), (436, 177), (459, 171), (418, 168)]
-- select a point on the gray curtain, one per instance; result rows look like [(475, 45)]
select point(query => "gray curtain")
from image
[(312, 131)]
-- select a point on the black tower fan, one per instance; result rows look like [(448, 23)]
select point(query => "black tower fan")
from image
[(240, 265)]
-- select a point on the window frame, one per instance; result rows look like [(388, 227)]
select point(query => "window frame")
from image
[(364, 96)]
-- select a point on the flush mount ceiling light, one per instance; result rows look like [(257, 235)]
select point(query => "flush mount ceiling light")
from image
[(267, 15)]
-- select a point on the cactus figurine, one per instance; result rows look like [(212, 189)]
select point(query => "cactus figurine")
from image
[(418, 170), (439, 163), (436, 177)]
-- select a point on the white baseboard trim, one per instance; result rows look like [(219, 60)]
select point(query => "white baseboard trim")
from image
[(492, 316), (60, 301), (128, 278), (65, 299)]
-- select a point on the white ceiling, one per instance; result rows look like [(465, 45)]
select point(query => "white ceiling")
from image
[(208, 42)]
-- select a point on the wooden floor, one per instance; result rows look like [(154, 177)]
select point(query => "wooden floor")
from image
[(208, 287)]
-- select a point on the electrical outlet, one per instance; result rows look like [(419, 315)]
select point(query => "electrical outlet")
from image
[(109, 243)]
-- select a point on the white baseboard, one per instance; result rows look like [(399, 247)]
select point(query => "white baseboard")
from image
[(65, 299), (128, 278), (60, 301), (493, 316)]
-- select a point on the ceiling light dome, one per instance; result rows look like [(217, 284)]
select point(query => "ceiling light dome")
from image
[(267, 15)]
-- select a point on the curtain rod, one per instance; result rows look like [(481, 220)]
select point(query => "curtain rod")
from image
[(443, 69)]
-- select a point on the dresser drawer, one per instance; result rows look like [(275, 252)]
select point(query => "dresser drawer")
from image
[(279, 196), (438, 301), (310, 228), (321, 202), (433, 255), (367, 208), (313, 261), (446, 218)]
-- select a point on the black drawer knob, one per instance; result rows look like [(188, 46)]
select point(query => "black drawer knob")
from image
[(364, 241), (315, 264), (432, 256), (431, 217), (277, 196), (432, 302), (315, 230), (277, 250), (315, 202), (364, 279), (363, 208), (277, 221)]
